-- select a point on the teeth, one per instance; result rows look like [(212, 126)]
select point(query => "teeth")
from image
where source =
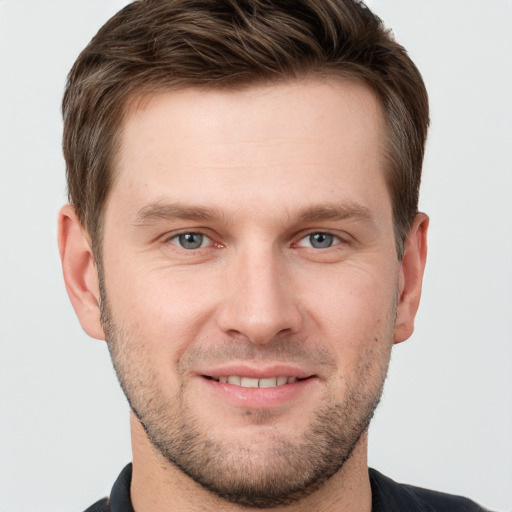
[(248, 382), (268, 383)]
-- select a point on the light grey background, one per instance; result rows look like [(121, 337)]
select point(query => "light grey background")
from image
[(446, 418)]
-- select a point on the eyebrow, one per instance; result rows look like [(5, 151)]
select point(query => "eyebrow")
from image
[(178, 211), (174, 211), (342, 211)]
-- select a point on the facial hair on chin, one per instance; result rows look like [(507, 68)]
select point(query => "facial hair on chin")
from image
[(242, 472)]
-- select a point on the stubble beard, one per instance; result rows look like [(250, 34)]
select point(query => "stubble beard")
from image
[(244, 473), (269, 473)]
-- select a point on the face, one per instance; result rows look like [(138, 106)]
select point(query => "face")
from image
[(250, 281)]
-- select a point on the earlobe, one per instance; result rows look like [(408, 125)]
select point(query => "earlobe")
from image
[(80, 272), (411, 278)]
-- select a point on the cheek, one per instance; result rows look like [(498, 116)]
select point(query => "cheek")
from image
[(350, 300), (354, 313), (163, 310)]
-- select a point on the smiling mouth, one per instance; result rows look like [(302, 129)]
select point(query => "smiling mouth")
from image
[(249, 382)]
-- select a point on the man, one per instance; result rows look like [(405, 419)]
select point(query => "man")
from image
[(243, 230)]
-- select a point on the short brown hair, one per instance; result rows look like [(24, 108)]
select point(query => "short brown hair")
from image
[(153, 45)]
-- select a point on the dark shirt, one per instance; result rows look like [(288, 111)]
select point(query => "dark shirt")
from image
[(387, 496)]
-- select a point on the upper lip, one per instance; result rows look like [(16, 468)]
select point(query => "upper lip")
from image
[(257, 372)]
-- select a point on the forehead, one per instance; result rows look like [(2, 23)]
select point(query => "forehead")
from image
[(267, 145)]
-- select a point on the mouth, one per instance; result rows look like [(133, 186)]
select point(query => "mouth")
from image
[(259, 389), (250, 382)]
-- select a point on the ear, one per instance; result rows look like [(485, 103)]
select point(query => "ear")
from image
[(411, 278), (80, 271)]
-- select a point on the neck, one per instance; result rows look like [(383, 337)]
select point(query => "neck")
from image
[(158, 484)]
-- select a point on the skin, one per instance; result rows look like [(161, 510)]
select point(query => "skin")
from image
[(256, 172)]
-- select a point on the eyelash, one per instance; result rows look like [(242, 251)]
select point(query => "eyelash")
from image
[(174, 240), (335, 239)]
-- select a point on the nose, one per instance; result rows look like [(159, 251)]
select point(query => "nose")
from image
[(259, 300)]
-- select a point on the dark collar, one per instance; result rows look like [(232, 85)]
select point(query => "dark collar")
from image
[(120, 496), (387, 495)]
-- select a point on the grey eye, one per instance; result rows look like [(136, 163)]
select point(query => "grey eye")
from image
[(190, 240), (321, 240)]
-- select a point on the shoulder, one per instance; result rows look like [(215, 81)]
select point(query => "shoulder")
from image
[(100, 506), (390, 495)]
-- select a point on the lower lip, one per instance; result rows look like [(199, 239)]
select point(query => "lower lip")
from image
[(258, 398)]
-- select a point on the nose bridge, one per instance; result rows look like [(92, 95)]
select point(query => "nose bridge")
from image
[(259, 301)]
